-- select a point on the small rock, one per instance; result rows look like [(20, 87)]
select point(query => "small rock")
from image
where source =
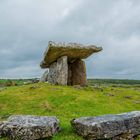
[(34, 87), (128, 97), (98, 88), (109, 94), (29, 127), (3, 88), (78, 87), (137, 102)]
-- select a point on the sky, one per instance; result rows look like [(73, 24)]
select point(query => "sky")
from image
[(26, 26)]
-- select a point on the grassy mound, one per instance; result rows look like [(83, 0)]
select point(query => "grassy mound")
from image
[(67, 102)]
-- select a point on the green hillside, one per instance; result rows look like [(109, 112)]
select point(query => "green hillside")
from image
[(68, 102)]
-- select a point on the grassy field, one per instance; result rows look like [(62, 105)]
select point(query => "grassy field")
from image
[(69, 102)]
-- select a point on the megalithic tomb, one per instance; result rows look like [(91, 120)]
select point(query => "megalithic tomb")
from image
[(65, 63)]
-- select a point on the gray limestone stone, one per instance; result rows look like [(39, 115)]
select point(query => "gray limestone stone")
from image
[(71, 50), (29, 127), (77, 73), (44, 77), (58, 72), (125, 125), (62, 68)]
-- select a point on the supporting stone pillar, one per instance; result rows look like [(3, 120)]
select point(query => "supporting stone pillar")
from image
[(44, 77), (77, 73), (62, 67), (58, 72)]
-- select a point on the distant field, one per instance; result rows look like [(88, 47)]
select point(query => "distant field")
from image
[(113, 81), (66, 102), (16, 82), (117, 82)]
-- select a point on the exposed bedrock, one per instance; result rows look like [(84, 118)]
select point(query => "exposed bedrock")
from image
[(117, 127)]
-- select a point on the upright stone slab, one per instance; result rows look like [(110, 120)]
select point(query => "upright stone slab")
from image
[(77, 73), (52, 76), (62, 67), (44, 77), (65, 63), (58, 72)]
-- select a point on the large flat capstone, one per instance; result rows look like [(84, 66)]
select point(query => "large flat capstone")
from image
[(29, 127), (72, 50), (122, 126)]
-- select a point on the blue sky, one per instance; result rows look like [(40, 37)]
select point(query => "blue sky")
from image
[(26, 26)]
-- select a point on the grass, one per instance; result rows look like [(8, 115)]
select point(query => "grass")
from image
[(68, 102)]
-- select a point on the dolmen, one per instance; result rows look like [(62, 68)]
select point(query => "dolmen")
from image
[(117, 127), (65, 63), (29, 127)]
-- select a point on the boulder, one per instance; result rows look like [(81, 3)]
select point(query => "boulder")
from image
[(122, 126), (29, 127)]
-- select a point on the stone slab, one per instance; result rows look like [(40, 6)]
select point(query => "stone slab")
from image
[(71, 50), (108, 126), (77, 73), (44, 77), (29, 127), (58, 72)]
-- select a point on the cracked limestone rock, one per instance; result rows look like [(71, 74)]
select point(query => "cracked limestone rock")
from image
[(29, 127), (122, 126)]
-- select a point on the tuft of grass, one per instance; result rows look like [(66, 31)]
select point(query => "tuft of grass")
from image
[(67, 103)]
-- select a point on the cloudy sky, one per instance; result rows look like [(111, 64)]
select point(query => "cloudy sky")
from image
[(26, 26)]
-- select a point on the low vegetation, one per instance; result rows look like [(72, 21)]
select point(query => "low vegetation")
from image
[(67, 102)]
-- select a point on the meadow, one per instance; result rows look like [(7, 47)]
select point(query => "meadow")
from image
[(66, 102)]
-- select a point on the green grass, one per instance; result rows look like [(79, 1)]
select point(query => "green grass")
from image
[(68, 102)]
